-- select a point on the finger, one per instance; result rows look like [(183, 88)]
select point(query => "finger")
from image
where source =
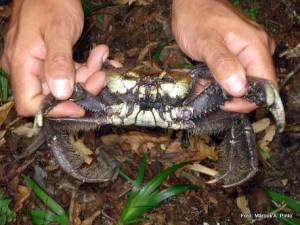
[(272, 45), (59, 65), (94, 63), (115, 63), (26, 86), (239, 105), (66, 109), (95, 83), (255, 54), (225, 66), (258, 62)]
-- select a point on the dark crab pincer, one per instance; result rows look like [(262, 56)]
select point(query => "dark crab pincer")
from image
[(166, 100)]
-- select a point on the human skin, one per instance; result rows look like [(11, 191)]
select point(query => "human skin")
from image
[(38, 55), (38, 50), (214, 32)]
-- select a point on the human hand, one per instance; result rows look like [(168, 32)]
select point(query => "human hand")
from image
[(38, 55), (232, 45)]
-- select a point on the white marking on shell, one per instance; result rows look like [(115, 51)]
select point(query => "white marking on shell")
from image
[(142, 92), (145, 118), (174, 90), (153, 93), (117, 84), (130, 120), (159, 121)]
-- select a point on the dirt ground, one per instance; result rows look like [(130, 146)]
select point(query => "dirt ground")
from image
[(141, 33)]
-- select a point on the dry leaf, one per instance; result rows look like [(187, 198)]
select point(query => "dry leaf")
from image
[(25, 130), (145, 51), (90, 220), (261, 125), (135, 141), (269, 135), (4, 110), (2, 139), (83, 150), (265, 141), (21, 196), (203, 169), (242, 204), (284, 181), (200, 144)]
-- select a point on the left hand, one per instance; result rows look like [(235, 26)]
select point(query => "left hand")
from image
[(232, 46)]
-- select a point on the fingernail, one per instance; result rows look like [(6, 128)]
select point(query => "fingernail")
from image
[(61, 88), (236, 84)]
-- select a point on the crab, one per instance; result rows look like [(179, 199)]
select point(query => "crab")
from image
[(166, 99)]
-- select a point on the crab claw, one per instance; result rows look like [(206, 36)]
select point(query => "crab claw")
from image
[(264, 93)]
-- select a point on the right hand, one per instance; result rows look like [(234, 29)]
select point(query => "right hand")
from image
[(38, 55)]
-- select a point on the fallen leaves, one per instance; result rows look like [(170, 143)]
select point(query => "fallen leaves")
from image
[(4, 110), (242, 204), (21, 195), (82, 150), (24, 130), (148, 143), (261, 125)]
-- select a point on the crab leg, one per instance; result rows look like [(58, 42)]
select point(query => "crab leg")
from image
[(238, 154), (102, 168), (262, 92)]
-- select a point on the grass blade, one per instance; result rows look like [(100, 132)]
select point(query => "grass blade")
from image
[(291, 203), (140, 177), (156, 181), (171, 191), (89, 7), (288, 221), (50, 202), (145, 198), (44, 217)]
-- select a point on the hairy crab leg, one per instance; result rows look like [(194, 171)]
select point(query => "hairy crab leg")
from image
[(102, 168), (238, 151)]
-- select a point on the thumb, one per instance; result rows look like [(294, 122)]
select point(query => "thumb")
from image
[(59, 65), (225, 66)]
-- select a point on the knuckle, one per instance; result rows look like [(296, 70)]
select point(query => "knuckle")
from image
[(59, 59), (222, 60)]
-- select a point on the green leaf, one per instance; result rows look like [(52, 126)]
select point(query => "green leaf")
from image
[(171, 191), (157, 53), (236, 3), (291, 203), (251, 13), (140, 177), (288, 221), (186, 66), (6, 214), (100, 18), (4, 87), (145, 198), (89, 7), (156, 181), (50, 202), (41, 217)]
